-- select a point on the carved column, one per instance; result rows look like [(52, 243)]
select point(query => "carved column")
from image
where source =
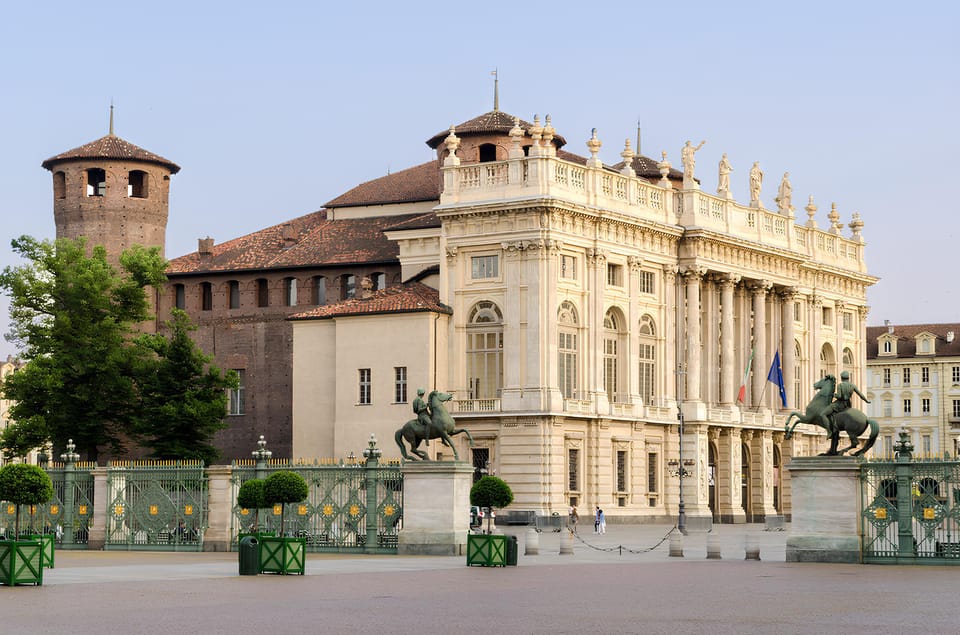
[(668, 372), (815, 313), (692, 364), (728, 371), (597, 268), (839, 307), (761, 361), (512, 348), (635, 263), (788, 357), (710, 391)]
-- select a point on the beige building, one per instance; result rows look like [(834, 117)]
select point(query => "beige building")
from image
[(579, 308), (913, 382)]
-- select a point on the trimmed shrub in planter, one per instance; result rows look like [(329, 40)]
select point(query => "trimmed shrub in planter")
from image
[(281, 554), (251, 497), (488, 549), (21, 561)]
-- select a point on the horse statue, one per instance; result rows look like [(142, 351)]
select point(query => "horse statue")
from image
[(851, 420), (441, 427)]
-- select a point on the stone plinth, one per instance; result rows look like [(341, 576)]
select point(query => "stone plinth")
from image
[(436, 508), (826, 509)]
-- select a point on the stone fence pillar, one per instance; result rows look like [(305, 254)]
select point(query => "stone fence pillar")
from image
[(97, 538), (219, 508), (826, 509)]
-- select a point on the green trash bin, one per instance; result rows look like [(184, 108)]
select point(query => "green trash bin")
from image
[(510, 558), (249, 555)]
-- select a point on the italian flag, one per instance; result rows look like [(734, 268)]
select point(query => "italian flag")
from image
[(742, 394)]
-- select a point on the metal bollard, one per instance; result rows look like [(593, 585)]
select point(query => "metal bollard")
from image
[(532, 542), (751, 547), (676, 545), (566, 543), (713, 547)]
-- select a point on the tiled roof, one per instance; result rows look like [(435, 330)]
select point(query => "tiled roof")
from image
[(647, 168), (111, 147), (423, 221), (495, 121), (410, 297), (313, 241), (906, 339), (413, 185)]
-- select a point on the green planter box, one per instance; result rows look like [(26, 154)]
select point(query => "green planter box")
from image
[(46, 547), (282, 555), (21, 562), (487, 550)]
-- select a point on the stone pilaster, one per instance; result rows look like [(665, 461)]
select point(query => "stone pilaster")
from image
[(727, 334)]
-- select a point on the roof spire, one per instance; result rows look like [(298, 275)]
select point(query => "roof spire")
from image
[(496, 90), (638, 135), (111, 118)]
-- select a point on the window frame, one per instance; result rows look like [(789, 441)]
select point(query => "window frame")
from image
[(365, 387)]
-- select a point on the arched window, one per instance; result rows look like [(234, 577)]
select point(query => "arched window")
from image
[(647, 356), (137, 184), (828, 361), (488, 152), (290, 291), (848, 359), (612, 345), (319, 290), (59, 185), (206, 296), (96, 182), (485, 350), (234, 289), (348, 286), (263, 293), (179, 296), (568, 351)]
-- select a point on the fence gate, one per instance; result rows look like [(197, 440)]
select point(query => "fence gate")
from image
[(349, 507), (911, 509), (159, 505)]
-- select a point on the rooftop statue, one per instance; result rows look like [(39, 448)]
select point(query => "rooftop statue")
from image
[(432, 422), (784, 198), (756, 182), (836, 416), (688, 158), (723, 186)]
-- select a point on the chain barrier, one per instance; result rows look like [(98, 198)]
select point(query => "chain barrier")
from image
[(620, 549)]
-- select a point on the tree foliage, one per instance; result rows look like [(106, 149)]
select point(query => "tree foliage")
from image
[(284, 487), (251, 496), (183, 398), (23, 484), (491, 491)]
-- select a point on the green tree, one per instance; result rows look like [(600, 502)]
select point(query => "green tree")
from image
[(183, 398), (490, 492), (23, 484), (251, 496), (284, 486), (73, 317)]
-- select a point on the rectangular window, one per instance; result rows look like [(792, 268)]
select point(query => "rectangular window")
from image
[(648, 282), (180, 296), (234, 294), (645, 353), (926, 444), (956, 408), (621, 470), (887, 408), (610, 368), (886, 377), (567, 355), (925, 375), (206, 296), (925, 405), (906, 376), (615, 275), (652, 471), (236, 395), (797, 312), (290, 291), (481, 463), (364, 386), (956, 374), (887, 445), (847, 321), (573, 469), (484, 267), (907, 406), (827, 316), (568, 267), (400, 384)]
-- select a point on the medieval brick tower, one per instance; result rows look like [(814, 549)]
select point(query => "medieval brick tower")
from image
[(112, 192)]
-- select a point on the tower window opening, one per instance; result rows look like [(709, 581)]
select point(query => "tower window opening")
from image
[(59, 185), (137, 181), (488, 152), (96, 182)]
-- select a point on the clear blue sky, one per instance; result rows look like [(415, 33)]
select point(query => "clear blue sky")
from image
[(272, 109)]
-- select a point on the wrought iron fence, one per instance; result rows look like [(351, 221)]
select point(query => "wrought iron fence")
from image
[(68, 515), (158, 505), (911, 509), (350, 507)]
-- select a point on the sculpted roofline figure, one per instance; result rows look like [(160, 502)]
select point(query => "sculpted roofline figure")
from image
[(785, 194), (688, 158), (725, 168), (756, 182)]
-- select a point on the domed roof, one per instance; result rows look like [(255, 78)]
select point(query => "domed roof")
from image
[(110, 147), (495, 122)]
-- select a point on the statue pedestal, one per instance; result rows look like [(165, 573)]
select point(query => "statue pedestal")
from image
[(436, 508), (826, 504)]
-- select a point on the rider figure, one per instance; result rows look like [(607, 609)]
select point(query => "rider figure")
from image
[(421, 409), (845, 392)]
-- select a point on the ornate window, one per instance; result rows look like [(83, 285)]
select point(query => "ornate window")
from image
[(612, 337), (484, 267), (568, 351), (485, 350), (647, 356)]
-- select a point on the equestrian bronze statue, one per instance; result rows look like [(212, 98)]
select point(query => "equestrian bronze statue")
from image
[(432, 422), (836, 417)]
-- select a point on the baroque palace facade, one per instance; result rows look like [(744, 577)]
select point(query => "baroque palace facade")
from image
[(574, 309)]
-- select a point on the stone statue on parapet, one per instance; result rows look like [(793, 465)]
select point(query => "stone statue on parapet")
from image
[(836, 416), (723, 185), (756, 183), (688, 158), (432, 422), (784, 198)]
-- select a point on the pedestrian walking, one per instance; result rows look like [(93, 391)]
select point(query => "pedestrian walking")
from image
[(601, 521)]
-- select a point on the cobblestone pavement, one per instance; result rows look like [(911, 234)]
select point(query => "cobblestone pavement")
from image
[(623, 581)]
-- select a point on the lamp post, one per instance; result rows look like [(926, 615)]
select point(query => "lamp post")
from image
[(677, 466)]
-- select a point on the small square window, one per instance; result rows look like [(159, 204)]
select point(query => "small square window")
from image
[(648, 282), (568, 267), (484, 267), (615, 275)]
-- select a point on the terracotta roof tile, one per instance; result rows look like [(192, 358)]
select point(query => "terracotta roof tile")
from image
[(494, 122), (312, 240), (424, 221), (413, 185), (907, 344), (410, 297), (110, 147)]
